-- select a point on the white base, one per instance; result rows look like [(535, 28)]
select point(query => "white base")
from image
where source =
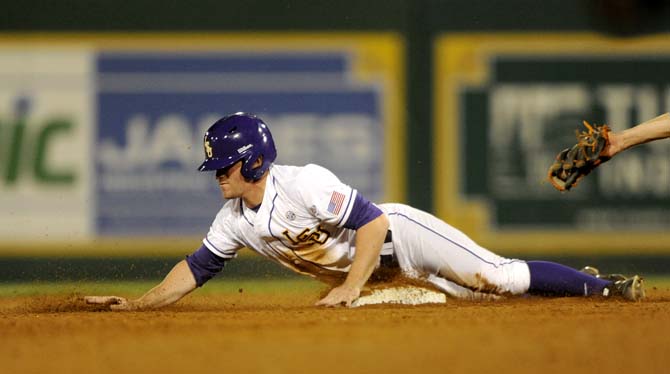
[(407, 295)]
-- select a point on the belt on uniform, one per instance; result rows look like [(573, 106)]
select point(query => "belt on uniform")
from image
[(387, 257)]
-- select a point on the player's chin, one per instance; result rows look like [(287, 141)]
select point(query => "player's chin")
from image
[(227, 192)]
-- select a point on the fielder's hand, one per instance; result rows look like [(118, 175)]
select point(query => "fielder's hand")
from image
[(341, 295), (113, 302)]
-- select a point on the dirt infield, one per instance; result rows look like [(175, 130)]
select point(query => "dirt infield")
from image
[(265, 333)]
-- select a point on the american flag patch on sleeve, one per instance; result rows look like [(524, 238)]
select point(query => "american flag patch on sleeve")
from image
[(336, 200)]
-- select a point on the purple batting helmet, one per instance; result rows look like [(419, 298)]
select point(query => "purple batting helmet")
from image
[(236, 137)]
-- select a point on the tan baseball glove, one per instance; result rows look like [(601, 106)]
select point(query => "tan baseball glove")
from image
[(573, 164)]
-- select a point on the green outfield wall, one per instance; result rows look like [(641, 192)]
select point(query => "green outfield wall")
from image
[(418, 21), (442, 79)]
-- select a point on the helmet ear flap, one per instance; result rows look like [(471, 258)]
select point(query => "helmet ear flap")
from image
[(248, 171)]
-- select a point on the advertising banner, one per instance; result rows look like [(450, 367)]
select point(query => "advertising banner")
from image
[(137, 106), (507, 104), (45, 133)]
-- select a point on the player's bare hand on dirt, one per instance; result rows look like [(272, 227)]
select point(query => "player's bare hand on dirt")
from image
[(341, 295), (113, 302)]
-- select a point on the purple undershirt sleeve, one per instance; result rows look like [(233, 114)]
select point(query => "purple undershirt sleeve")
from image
[(204, 265), (362, 212)]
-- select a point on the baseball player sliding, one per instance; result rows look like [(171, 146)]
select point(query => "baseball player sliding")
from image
[(306, 219)]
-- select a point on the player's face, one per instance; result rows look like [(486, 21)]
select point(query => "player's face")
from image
[(231, 181)]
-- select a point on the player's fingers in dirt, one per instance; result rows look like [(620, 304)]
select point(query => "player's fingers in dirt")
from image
[(107, 302)]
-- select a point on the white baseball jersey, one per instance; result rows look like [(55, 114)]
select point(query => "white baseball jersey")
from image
[(300, 224)]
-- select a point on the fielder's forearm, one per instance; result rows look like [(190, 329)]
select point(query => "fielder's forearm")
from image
[(656, 128), (369, 241), (178, 283)]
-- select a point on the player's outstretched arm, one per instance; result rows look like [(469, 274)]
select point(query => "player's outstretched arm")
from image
[(178, 283), (598, 145), (653, 129), (369, 241)]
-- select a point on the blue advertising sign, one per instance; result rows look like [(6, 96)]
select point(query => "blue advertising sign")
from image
[(153, 108)]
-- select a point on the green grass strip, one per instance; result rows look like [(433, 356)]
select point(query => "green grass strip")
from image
[(136, 288), (252, 286)]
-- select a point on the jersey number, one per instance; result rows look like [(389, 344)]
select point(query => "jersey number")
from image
[(316, 235)]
